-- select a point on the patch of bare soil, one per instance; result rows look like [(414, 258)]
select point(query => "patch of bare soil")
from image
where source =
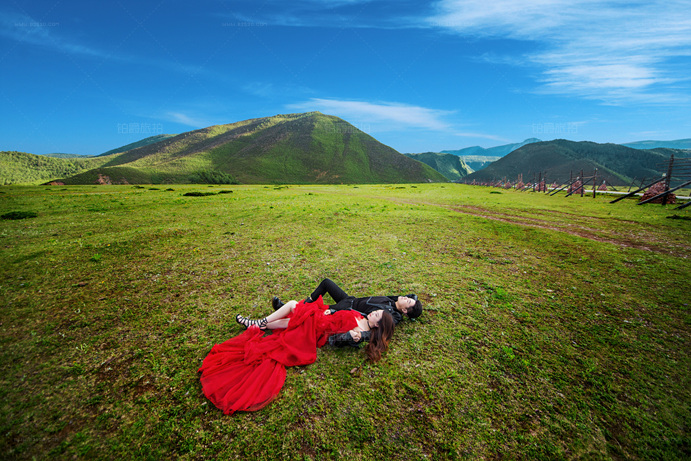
[(643, 240), (639, 236)]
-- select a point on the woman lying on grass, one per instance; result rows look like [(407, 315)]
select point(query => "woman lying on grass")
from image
[(248, 371)]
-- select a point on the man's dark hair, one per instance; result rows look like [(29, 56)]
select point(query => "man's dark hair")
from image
[(416, 311)]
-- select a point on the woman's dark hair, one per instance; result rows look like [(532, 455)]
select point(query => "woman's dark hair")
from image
[(380, 337)]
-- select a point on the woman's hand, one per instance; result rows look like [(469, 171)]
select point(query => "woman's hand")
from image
[(327, 312), (355, 335)]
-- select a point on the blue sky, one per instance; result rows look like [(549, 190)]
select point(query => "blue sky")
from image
[(85, 77)]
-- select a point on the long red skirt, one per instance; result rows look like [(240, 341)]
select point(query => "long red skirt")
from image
[(248, 371)]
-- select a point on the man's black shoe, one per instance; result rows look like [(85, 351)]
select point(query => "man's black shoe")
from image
[(276, 303)]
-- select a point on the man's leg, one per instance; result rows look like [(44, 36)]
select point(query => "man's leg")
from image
[(328, 286)]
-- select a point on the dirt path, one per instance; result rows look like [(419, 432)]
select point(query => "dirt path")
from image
[(630, 234), (649, 242)]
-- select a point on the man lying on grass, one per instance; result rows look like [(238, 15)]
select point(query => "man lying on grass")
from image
[(397, 306)]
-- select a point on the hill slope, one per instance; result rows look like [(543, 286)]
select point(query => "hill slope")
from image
[(293, 148), (560, 158), (140, 143), (24, 168), (451, 166)]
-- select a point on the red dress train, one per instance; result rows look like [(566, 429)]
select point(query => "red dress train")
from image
[(248, 371)]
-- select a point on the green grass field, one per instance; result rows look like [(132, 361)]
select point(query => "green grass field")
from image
[(555, 328)]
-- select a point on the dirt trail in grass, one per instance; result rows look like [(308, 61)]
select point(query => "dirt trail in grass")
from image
[(629, 234), (635, 235)]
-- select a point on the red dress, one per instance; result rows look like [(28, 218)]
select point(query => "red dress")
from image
[(248, 371)]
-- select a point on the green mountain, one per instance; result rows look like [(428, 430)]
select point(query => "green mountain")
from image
[(451, 166), (140, 143), (293, 148), (559, 159), (23, 168)]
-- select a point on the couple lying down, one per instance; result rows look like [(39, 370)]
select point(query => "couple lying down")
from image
[(248, 371)]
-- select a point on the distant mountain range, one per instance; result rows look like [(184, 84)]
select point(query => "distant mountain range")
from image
[(678, 144), (477, 157), (292, 148), (560, 159), (497, 151), (451, 166)]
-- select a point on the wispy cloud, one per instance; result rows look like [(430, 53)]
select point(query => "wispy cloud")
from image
[(323, 13), (386, 113), (391, 116), (185, 119), (25, 29), (614, 51)]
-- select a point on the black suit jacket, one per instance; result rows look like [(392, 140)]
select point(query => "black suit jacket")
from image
[(370, 304)]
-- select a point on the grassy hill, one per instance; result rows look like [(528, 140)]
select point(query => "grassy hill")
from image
[(293, 148), (616, 164), (140, 143), (24, 168), (451, 166), (554, 328)]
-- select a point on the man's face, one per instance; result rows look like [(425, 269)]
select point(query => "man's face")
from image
[(405, 304)]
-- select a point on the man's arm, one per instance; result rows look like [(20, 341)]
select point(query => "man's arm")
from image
[(342, 305), (346, 339)]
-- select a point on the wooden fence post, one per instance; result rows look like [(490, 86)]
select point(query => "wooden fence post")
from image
[(668, 179)]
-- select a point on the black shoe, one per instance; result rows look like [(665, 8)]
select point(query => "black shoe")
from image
[(276, 303), (247, 322), (308, 300)]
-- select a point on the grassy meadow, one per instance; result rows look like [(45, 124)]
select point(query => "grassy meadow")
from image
[(554, 328)]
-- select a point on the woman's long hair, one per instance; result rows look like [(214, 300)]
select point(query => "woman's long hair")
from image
[(380, 337)]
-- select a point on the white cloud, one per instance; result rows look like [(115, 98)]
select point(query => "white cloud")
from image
[(400, 115), (391, 117), (613, 51)]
